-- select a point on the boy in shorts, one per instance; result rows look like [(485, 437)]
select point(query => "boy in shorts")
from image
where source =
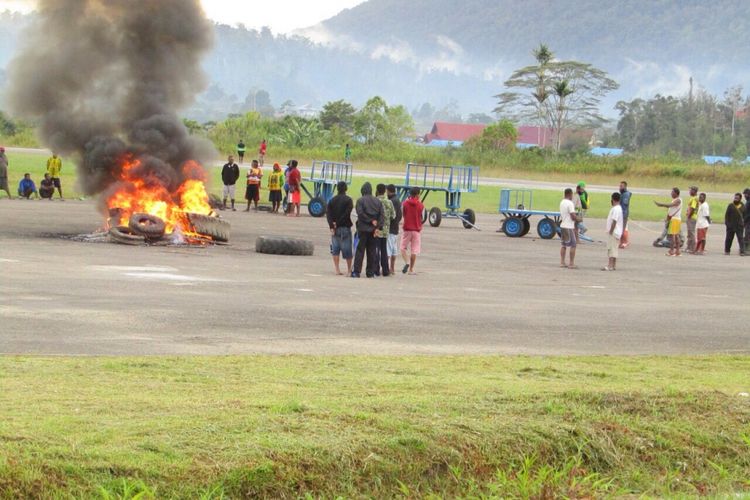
[(411, 239), (568, 220)]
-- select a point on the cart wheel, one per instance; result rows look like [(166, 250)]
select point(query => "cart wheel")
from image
[(513, 227), (526, 226), (436, 216), (547, 229), (424, 216), (317, 207), (470, 217)]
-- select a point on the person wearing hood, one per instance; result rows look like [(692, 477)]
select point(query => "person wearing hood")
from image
[(370, 218)]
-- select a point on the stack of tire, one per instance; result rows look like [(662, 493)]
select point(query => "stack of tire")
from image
[(145, 228)]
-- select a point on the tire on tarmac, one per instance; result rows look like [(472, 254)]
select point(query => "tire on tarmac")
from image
[(282, 245), (217, 229), (147, 225), (125, 236)]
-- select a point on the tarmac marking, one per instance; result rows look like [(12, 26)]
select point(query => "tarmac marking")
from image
[(168, 277), (9, 261)]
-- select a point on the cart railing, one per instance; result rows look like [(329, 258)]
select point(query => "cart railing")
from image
[(452, 179), (330, 172), (516, 199)]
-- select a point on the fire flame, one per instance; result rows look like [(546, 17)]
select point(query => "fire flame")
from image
[(136, 194)]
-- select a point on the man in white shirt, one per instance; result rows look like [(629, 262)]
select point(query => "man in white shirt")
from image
[(568, 219), (615, 228), (704, 221), (674, 222)]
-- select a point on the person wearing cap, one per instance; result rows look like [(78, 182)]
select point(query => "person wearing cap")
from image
[(4, 173), (582, 203), (746, 192), (339, 215), (691, 217)]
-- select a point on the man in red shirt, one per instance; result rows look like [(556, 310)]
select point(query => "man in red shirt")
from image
[(294, 180), (262, 153), (412, 238)]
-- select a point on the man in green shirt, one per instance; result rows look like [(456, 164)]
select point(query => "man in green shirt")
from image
[(382, 234), (241, 151), (692, 218)]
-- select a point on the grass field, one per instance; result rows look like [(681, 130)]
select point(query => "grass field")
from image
[(485, 201), (289, 427)]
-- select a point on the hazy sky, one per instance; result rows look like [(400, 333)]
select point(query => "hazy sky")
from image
[(282, 16)]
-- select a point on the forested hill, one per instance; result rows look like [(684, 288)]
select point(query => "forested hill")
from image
[(691, 32)]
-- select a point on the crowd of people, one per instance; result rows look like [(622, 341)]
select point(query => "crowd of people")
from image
[(385, 230), (697, 222), (27, 188)]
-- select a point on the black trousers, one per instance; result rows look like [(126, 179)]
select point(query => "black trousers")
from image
[(367, 244), (732, 233), (383, 257)]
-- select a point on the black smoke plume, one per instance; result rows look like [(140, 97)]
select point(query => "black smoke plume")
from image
[(105, 79)]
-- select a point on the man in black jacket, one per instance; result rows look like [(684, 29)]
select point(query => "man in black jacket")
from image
[(339, 214), (734, 220), (393, 250), (229, 175), (369, 218), (746, 192)]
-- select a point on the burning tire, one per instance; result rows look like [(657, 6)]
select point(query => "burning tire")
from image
[(125, 236), (147, 225), (217, 229), (280, 245)]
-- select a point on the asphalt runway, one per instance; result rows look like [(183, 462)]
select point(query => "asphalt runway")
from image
[(476, 293)]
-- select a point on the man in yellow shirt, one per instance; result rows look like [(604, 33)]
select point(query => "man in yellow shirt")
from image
[(54, 167), (252, 194), (275, 183), (692, 218)]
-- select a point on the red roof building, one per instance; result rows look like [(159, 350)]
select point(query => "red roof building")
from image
[(455, 132)]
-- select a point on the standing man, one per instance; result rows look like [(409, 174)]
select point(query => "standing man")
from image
[(294, 179), (339, 215), (702, 224), (746, 192), (393, 249), (625, 204), (54, 167), (692, 218), (275, 182), (252, 192), (241, 151), (411, 240), (389, 214), (348, 154), (229, 175), (4, 173), (674, 222), (734, 220), (568, 219), (262, 152), (369, 219), (614, 232)]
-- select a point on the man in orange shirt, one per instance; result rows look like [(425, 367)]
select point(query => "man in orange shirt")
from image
[(252, 194)]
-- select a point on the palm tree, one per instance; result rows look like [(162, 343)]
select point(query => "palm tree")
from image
[(561, 90), (543, 56)]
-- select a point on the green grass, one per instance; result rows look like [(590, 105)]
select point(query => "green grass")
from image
[(485, 201), (321, 427)]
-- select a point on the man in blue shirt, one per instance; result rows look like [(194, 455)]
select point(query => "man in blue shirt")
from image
[(27, 187), (625, 204)]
